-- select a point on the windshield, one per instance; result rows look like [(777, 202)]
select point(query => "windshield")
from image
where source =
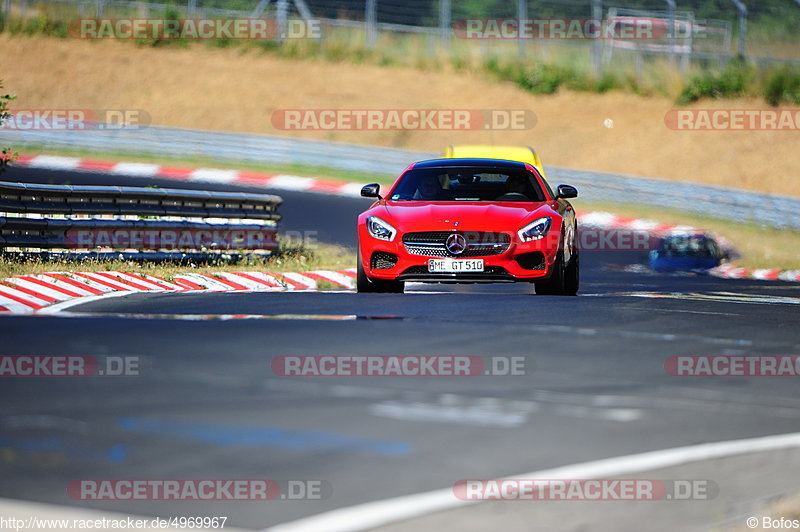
[(686, 246), (467, 184)]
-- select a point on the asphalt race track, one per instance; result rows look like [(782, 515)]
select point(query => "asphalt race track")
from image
[(207, 404)]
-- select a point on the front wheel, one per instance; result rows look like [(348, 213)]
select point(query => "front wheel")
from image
[(565, 279), (365, 285)]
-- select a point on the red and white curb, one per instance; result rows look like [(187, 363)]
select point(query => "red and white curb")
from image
[(729, 271), (607, 220), (600, 220), (200, 175), (48, 291)]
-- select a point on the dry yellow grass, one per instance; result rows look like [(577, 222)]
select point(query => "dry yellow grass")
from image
[(238, 89)]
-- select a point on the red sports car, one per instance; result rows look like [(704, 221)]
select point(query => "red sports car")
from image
[(468, 221)]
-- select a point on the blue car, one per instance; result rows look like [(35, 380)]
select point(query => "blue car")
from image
[(686, 252)]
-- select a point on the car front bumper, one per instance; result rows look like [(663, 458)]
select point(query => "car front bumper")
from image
[(521, 262)]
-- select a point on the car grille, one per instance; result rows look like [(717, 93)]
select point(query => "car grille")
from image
[(479, 243), (382, 260)]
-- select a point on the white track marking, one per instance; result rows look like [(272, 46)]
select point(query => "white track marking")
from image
[(135, 169), (22, 295), (244, 281), (64, 285), (14, 306), (302, 279), (137, 280), (54, 162), (87, 282), (351, 189), (205, 280), (162, 282), (268, 279), (64, 305), (336, 277), (44, 290), (291, 182), (595, 219), (214, 175), (378, 513), (437, 413), (114, 282)]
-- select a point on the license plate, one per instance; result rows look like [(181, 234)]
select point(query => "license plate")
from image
[(455, 266)]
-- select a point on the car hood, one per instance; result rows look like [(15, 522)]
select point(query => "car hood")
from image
[(466, 216)]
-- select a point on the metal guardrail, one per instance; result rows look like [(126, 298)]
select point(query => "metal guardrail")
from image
[(714, 201), (56, 217)]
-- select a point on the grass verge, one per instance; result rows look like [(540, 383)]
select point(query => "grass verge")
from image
[(318, 256)]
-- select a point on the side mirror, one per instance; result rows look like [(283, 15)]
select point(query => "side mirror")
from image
[(371, 191), (566, 191)]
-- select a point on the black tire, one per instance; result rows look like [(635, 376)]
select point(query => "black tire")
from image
[(553, 285), (572, 277), (565, 279), (365, 285)]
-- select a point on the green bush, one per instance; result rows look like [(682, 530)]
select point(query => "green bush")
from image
[(545, 78), (729, 83), (782, 85)]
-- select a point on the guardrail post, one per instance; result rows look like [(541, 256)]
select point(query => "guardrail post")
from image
[(101, 7), (522, 14), (671, 30), (282, 15), (192, 7), (742, 26), (597, 15), (445, 20), (371, 23)]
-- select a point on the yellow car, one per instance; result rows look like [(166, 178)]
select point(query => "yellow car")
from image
[(523, 154)]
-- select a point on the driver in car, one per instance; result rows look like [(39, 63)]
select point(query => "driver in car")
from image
[(429, 188), (516, 185)]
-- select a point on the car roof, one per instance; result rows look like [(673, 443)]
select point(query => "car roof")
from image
[(486, 163)]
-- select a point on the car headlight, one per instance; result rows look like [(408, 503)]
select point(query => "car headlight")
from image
[(536, 230), (380, 229)]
